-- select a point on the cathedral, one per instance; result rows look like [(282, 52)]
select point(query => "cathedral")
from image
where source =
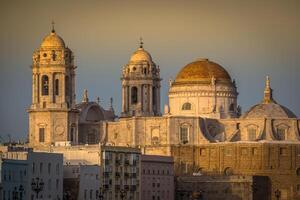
[(202, 127)]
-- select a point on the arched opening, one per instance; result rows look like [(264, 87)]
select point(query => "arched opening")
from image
[(186, 106), (134, 95), (45, 85), (154, 95), (53, 55), (67, 88), (56, 92), (231, 107)]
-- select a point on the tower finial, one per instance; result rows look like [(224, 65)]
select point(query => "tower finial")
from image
[(141, 42), (85, 97), (268, 96), (53, 30)]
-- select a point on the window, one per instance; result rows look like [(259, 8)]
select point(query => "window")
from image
[(184, 135), (45, 85), (49, 184), (67, 88), (57, 184), (57, 169), (134, 95), (56, 92), (49, 168), (91, 194), (53, 55), (231, 107), (281, 132), (186, 106), (41, 168), (33, 168), (41, 134), (85, 194), (251, 134), (154, 95)]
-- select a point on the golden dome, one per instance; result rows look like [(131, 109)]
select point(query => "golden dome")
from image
[(53, 40), (202, 70), (141, 55)]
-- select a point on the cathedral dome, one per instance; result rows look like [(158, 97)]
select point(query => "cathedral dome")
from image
[(269, 108), (141, 55), (53, 40), (202, 70)]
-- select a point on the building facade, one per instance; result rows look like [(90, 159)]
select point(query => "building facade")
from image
[(157, 177), (81, 182), (40, 173), (121, 173)]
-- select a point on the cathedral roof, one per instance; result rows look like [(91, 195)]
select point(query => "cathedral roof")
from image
[(269, 108), (141, 55), (53, 40), (202, 70)]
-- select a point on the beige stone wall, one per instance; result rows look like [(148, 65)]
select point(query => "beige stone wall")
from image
[(278, 161)]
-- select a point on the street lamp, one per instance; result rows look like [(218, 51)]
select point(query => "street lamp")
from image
[(100, 194), (37, 186), (123, 194), (277, 194)]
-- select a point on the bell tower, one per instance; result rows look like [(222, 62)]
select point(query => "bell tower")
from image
[(52, 117), (140, 85)]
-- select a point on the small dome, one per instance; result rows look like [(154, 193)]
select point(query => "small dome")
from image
[(269, 110), (53, 40), (202, 70), (140, 55)]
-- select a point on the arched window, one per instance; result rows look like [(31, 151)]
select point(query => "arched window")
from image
[(187, 106), (45, 85), (281, 132), (251, 133), (184, 135), (134, 95), (56, 92), (53, 55), (154, 90), (231, 107)]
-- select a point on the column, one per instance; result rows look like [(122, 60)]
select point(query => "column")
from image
[(123, 99), (33, 88)]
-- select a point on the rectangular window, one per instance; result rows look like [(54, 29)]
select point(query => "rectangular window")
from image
[(281, 133), (41, 134), (184, 135), (251, 134)]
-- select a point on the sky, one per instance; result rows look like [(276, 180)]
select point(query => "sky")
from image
[(250, 39)]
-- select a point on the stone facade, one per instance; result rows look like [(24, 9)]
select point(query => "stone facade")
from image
[(222, 187), (157, 177)]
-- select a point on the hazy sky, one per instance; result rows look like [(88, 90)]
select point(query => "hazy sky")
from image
[(251, 39)]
